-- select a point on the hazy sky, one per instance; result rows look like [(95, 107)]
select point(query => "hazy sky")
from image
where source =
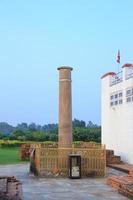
[(37, 36)]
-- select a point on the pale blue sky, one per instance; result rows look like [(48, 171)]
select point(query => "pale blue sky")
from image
[(37, 36)]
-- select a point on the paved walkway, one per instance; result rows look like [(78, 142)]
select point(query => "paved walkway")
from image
[(62, 189)]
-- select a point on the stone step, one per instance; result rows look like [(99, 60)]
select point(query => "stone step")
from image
[(109, 152), (113, 160), (122, 167)]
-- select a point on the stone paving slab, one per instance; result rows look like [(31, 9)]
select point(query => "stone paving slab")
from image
[(62, 189)]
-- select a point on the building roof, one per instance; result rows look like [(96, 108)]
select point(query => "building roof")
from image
[(127, 65), (108, 74)]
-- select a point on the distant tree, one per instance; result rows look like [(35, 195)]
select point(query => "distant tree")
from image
[(29, 136), (78, 123), (17, 134), (49, 132), (2, 135), (39, 136), (6, 128), (32, 127), (53, 137), (91, 125), (50, 127), (87, 134), (23, 126), (80, 134), (38, 127)]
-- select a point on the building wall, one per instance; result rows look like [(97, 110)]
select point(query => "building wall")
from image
[(117, 121)]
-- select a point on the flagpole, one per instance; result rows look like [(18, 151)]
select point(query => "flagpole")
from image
[(118, 67), (118, 61)]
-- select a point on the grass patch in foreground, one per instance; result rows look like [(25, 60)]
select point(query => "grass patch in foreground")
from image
[(10, 155)]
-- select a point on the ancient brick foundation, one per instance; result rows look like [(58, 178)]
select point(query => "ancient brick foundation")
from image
[(124, 184), (10, 189), (111, 158), (25, 150)]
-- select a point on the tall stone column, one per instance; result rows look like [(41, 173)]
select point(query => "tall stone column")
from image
[(65, 108)]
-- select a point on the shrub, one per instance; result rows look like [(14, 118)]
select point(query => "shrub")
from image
[(10, 143)]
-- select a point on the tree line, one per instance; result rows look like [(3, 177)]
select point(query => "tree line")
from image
[(49, 132)]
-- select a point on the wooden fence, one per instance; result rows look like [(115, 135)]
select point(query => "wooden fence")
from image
[(55, 161)]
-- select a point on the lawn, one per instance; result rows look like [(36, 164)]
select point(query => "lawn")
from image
[(9, 155)]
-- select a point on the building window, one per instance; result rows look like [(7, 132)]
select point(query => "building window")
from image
[(111, 97), (128, 99), (129, 95), (120, 94), (116, 102), (116, 95), (116, 98), (111, 103), (128, 92), (120, 101)]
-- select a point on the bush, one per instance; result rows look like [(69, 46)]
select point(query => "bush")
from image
[(10, 143)]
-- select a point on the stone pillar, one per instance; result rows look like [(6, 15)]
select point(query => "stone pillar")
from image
[(65, 108)]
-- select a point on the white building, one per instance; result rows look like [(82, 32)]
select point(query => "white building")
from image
[(117, 112)]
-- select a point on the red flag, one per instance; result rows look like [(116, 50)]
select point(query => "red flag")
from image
[(118, 56)]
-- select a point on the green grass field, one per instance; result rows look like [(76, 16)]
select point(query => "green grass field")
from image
[(10, 155)]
